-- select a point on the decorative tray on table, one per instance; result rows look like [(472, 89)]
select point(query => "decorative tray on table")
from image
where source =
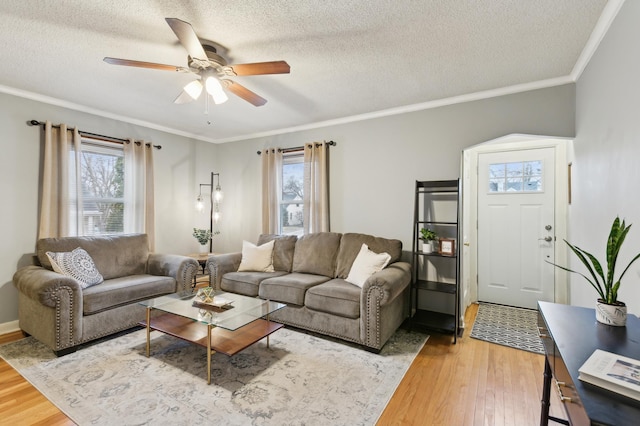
[(206, 299)]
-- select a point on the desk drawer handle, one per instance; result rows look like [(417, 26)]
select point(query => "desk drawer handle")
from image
[(542, 332), (562, 397)]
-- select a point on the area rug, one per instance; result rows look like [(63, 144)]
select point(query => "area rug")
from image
[(508, 326), (301, 379)]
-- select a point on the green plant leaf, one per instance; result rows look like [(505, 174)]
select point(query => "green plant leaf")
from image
[(597, 288), (613, 294), (595, 283), (630, 263)]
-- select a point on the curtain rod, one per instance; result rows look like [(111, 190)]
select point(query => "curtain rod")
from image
[(298, 148), (93, 135)]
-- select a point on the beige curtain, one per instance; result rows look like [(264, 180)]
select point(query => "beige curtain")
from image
[(138, 190), (60, 207), (316, 187), (271, 177)]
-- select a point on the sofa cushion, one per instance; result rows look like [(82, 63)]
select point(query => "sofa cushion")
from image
[(282, 250), (289, 288), (316, 254), (366, 264), (76, 264), (336, 297), (256, 258), (114, 255), (350, 245), (246, 283), (125, 290)]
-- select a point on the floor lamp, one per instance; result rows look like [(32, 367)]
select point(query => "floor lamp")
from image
[(215, 199)]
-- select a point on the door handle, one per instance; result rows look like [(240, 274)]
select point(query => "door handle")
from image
[(547, 239)]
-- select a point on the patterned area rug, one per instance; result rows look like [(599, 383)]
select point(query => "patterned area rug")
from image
[(300, 379), (508, 326)]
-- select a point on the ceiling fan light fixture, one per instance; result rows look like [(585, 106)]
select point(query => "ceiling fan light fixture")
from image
[(214, 88), (193, 89)]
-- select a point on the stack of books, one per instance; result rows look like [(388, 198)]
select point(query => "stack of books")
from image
[(612, 372)]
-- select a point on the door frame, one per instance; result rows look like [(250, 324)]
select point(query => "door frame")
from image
[(563, 148)]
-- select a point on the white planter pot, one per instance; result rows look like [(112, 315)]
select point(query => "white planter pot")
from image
[(615, 315), (427, 247), (204, 248)]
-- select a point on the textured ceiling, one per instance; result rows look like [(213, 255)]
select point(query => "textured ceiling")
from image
[(347, 58)]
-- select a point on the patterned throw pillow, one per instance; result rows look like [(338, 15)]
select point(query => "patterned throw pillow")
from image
[(76, 264)]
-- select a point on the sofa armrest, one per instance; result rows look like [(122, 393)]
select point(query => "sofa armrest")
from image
[(387, 284), (45, 286), (219, 264), (46, 294), (182, 268), (383, 303)]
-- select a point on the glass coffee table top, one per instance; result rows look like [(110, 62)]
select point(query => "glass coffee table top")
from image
[(240, 311), (228, 323)]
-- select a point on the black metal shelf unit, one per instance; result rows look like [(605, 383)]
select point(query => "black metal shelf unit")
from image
[(424, 279)]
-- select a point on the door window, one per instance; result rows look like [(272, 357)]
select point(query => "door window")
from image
[(521, 176)]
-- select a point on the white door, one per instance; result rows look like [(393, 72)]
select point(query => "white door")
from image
[(516, 232)]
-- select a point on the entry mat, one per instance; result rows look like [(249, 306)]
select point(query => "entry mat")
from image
[(508, 326)]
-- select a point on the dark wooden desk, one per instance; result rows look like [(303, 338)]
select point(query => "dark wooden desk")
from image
[(570, 335)]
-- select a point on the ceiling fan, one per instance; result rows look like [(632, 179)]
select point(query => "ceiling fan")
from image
[(211, 69)]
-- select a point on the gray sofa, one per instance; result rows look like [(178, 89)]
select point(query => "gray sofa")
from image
[(309, 277), (56, 310)]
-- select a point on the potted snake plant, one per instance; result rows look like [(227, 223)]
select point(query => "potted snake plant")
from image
[(609, 310)]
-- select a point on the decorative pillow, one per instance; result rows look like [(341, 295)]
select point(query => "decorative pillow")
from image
[(366, 264), (257, 258), (76, 264)]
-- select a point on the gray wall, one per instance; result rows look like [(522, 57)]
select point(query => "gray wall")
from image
[(376, 162), (606, 170), (373, 169), (179, 166)]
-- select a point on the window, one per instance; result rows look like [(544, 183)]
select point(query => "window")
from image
[(102, 189), (292, 195), (523, 176)]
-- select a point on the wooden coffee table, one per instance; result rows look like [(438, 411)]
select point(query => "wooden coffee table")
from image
[(227, 330)]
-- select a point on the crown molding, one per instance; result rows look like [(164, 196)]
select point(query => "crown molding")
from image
[(607, 16), (82, 108), (486, 94)]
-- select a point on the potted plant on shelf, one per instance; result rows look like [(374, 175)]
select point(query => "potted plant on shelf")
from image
[(427, 236), (203, 236), (608, 309)]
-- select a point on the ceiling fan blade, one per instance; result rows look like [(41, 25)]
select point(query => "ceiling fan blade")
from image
[(259, 68), (188, 38), (244, 93), (141, 64)]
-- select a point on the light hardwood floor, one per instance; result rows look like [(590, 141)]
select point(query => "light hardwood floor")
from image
[(469, 383)]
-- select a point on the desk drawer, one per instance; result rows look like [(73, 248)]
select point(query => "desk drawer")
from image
[(562, 383), (568, 394), (547, 341)]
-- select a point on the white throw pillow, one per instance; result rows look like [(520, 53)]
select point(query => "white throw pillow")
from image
[(366, 264), (257, 258), (76, 264)]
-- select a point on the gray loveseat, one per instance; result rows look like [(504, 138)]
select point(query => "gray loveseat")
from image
[(309, 277), (56, 310)]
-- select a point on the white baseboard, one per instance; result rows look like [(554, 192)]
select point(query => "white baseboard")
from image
[(9, 327)]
